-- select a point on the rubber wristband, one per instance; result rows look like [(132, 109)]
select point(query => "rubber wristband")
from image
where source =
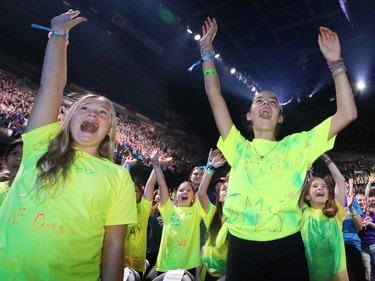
[(209, 72)]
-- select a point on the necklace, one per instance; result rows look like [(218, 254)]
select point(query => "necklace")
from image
[(262, 156)]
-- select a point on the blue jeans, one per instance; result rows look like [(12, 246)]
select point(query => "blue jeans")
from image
[(368, 258)]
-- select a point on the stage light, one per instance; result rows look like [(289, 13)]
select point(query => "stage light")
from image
[(189, 30), (233, 71), (197, 37), (217, 56), (253, 89), (361, 86)]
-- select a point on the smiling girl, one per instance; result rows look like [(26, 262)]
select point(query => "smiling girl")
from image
[(67, 211), (180, 242), (322, 223), (267, 174)]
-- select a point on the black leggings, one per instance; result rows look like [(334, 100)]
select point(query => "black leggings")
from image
[(354, 264), (282, 259)]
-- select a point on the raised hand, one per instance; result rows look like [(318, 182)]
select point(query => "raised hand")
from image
[(209, 30), (329, 44), (212, 154), (66, 21), (218, 160)]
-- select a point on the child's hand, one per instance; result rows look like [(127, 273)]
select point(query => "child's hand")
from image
[(209, 30), (329, 44), (218, 161), (66, 21)]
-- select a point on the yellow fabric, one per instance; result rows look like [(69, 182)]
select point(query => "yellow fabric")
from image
[(214, 258), (324, 244), (180, 241), (136, 238), (61, 237), (261, 203), (4, 189)]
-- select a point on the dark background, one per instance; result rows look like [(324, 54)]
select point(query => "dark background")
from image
[(137, 52)]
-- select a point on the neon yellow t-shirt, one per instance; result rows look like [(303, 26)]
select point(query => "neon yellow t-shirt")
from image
[(4, 189), (61, 237), (261, 203), (214, 258), (324, 244), (136, 237), (180, 239)]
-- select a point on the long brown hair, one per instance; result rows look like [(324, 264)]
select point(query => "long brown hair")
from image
[(330, 209), (55, 164)]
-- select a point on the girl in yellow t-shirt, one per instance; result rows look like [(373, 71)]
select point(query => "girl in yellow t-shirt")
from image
[(322, 227), (266, 174), (215, 250), (180, 242), (69, 206)]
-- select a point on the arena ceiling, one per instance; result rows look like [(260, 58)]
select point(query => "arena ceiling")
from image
[(137, 52)]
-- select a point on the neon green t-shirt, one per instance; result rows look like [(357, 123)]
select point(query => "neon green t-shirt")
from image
[(324, 244), (180, 239), (261, 203), (136, 237), (61, 237), (214, 258), (4, 189)]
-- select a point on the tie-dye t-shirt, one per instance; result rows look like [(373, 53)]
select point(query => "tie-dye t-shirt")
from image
[(324, 244), (266, 180), (214, 258), (136, 237), (180, 240)]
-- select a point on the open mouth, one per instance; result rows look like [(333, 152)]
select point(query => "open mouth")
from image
[(320, 194), (265, 113), (89, 127), (183, 198)]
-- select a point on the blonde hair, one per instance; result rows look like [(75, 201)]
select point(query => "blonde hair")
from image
[(55, 164)]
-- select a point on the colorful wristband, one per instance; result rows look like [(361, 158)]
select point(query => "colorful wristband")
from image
[(209, 72), (200, 61), (52, 32)]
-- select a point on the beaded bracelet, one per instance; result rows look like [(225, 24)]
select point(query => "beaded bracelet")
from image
[(52, 32), (207, 52), (206, 46), (334, 65), (339, 73)]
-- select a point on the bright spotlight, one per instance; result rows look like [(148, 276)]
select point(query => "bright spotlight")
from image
[(197, 37), (253, 88), (217, 56), (310, 96), (361, 85), (189, 30), (233, 71)]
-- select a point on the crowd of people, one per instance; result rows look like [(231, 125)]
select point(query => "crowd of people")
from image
[(133, 140), (75, 209)]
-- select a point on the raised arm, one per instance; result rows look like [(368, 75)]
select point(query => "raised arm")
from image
[(217, 160), (150, 187), (371, 179), (211, 80), (346, 111), (48, 101), (337, 177), (357, 220), (164, 192)]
